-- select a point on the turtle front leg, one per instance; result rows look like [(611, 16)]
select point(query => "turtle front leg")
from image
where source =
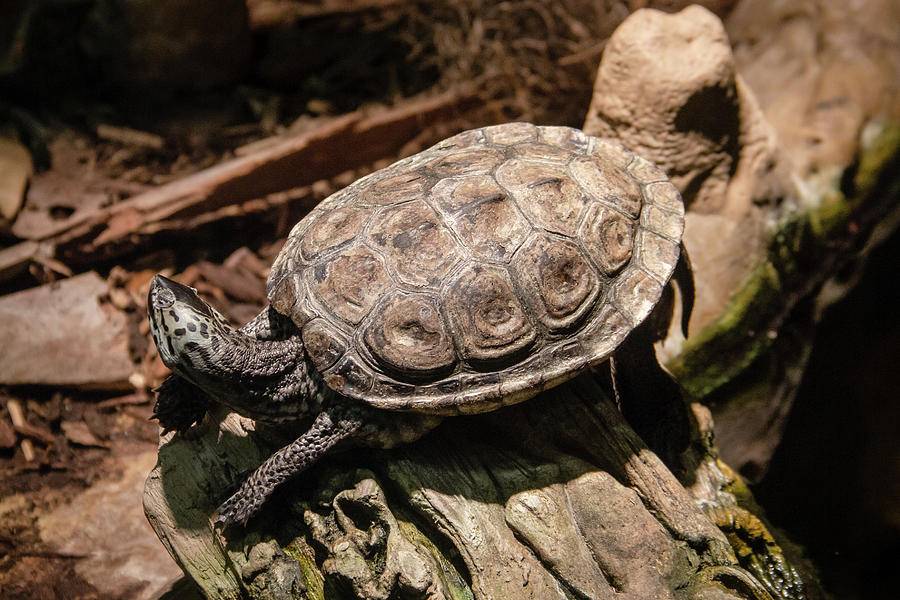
[(340, 421), (179, 405), (329, 428)]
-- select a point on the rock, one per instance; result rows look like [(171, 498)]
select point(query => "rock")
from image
[(771, 214), (821, 71), (63, 334), (667, 87)]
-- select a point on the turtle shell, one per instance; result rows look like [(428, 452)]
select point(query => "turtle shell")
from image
[(498, 263)]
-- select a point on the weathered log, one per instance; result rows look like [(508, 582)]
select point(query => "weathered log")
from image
[(554, 498)]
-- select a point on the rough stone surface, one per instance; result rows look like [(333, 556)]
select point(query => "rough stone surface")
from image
[(668, 89), (821, 70), (825, 77), (64, 334), (368, 551)]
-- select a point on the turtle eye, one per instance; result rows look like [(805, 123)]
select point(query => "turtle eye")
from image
[(162, 298)]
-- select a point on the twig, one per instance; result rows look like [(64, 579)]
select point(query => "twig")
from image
[(17, 415), (130, 137)]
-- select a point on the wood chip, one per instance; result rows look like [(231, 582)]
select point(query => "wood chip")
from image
[(17, 416), (244, 258), (139, 282), (237, 283), (78, 432), (7, 434), (127, 400)]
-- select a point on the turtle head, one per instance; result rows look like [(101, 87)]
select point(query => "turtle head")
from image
[(263, 377), (188, 332)]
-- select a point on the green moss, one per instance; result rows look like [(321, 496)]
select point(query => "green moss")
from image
[(834, 211), (728, 345), (451, 579), (883, 145), (312, 577), (802, 251)]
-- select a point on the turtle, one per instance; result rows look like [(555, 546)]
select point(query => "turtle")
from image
[(496, 264)]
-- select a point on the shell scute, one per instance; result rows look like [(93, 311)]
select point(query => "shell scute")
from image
[(351, 283), (646, 171), (608, 236), (349, 376), (414, 243), (511, 133), (332, 231), (323, 342), (543, 153), (386, 387), (635, 294), (658, 221), (604, 333), (492, 325), (609, 184), (545, 193), (612, 152), (465, 162), (466, 139), (483, 215), (657, 253), (666, 196), (408, 185), (407, 335), (567, 138), (556, 271)]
